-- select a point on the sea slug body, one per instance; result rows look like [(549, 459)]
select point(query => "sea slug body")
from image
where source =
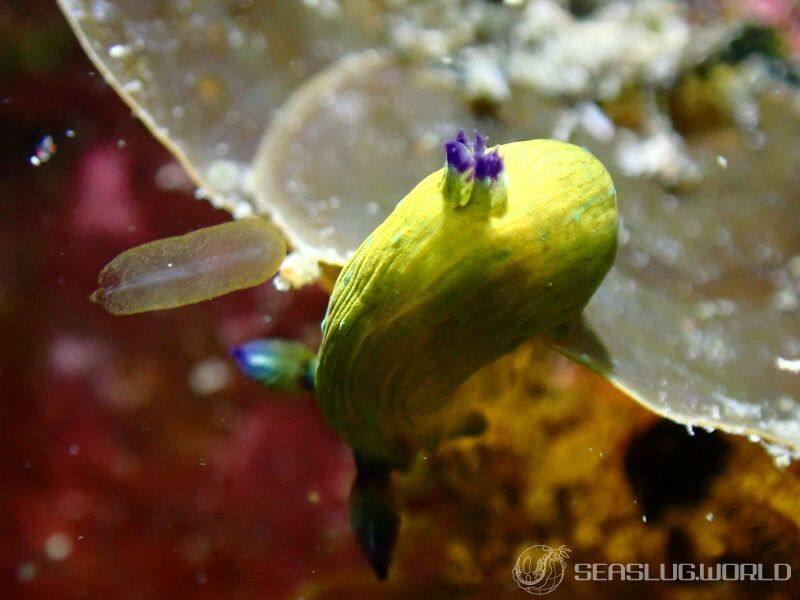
[(496, 248)]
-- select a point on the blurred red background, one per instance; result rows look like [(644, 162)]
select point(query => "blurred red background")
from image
[(135, 462)]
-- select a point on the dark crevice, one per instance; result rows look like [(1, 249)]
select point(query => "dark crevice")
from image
[(667, 466)]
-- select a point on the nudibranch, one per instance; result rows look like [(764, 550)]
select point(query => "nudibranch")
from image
[(477, 258), (496, 248)]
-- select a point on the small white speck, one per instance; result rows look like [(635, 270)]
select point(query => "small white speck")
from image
[(786, 404), (58, 546), (133, 86), (785, 364), (722, 161), (242, 210), (596, 122), (709, 516), (483, 76), (74, 449), (225, 175), (785, 300), (118, 51), (644, 518), (70, 133), (281, 284), (121, 143), (782, 460), (26, 572), (236, 38), (209, 376)]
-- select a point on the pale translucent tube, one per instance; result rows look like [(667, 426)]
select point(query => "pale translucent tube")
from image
[(191, 268)]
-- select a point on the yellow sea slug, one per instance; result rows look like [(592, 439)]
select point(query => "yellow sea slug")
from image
[(489, 252), (478, 258)]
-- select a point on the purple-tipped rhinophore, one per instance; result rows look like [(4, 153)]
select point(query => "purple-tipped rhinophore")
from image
[(473, 177), (488, 165), (463, 157), (459, 155)]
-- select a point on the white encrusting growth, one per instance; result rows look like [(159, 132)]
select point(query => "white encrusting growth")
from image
[(297, 270), (784, 364)]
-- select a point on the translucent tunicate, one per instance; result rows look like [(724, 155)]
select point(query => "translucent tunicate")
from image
[(190, 268)]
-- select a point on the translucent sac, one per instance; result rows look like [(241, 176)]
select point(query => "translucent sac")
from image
[(191, 268)]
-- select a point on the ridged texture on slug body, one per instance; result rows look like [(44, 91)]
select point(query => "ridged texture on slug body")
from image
[(442, 288)]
